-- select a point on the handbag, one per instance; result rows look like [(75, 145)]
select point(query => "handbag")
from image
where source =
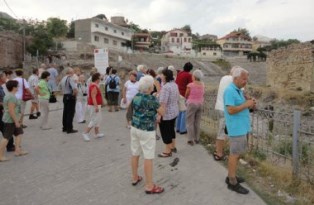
[(52, 98), (27, 95), (181, 103)]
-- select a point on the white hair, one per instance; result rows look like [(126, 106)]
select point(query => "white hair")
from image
[(141, 68), (159, 70), (174, 71), (68, 70), (198, 75), (146, 83), (237, 70)]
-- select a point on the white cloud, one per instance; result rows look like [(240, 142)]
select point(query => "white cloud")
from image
[(281, 19)]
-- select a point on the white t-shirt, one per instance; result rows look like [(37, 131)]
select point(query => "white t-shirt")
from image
[(33, 82), (131, 90), (224, 82), (19, 92)]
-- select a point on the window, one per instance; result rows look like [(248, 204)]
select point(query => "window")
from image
[(181, 34), (106, 40), (189, 40), (106, 28), (96, 25), (172, 40), (184, 40), (204, 54), (114, 31), (96, 38), (178, 40), (122, 33), (122, 44), (115, 43), (215, 54), (173, 34)]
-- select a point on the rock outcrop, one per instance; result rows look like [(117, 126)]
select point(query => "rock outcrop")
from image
[(292, 68)]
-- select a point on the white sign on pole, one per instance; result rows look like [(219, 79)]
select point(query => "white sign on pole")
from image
[(101, 60)]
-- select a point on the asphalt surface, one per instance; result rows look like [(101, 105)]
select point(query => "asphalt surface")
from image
[(62, 169)]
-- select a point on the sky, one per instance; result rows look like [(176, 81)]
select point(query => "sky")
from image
[(280, 19)]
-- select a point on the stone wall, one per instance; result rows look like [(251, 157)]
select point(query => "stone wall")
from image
[(11, 50), (292, 67)]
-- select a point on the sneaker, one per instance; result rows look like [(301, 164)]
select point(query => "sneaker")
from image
[(86, 137), (239, 180), (45, 128), (38, 114), (238, 188), (32, 117), (100, 135)]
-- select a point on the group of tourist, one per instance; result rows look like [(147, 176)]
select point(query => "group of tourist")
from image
[(165, 99)]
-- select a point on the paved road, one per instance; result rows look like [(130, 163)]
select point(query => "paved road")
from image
[(62, 169)]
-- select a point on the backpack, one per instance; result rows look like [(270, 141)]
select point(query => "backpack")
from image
[(112, 83)]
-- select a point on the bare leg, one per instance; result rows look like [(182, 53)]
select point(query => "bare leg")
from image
[(148, 169), (219, 147), (232, 168), (3, 144), (134, 165), (96, 130)]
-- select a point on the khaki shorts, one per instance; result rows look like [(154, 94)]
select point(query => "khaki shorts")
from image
[(143, 141), (35, 100), (238, 144), (221, 127)]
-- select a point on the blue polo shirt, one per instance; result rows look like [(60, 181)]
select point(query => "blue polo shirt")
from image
[(237, 124)]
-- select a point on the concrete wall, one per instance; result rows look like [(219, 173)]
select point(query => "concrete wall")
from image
[(11, 49), (292, 67)]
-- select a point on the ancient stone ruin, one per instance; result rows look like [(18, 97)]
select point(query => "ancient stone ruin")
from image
[(292, 67)]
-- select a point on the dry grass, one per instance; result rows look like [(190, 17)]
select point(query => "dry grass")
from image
[(274, 184), (277, 185)]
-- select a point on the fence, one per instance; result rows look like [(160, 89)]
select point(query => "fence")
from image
[(285, 139)]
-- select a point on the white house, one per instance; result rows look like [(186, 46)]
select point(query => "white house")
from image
[(176, 41), (102, 34)]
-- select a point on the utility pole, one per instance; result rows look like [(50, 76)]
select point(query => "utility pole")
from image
[(24, 44)]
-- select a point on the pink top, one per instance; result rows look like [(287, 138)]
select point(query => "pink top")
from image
[(196, 93)]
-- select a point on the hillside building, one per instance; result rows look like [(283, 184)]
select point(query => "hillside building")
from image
[(235, 44), (103, 34), (177, 41)]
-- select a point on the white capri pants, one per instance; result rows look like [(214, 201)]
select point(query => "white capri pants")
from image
[(95, 117)]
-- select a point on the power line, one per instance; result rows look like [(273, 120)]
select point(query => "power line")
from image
[(10, 9)]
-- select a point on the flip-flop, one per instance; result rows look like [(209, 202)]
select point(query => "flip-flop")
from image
[(155, 190), (21, 154), (139, 179)]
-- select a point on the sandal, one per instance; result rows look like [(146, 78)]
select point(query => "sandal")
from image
[(21, 154), (164, 155), (4, 160), (190, 143), (139, 179), (217, 157), (155, 190)]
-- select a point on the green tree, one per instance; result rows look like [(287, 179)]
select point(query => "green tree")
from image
[(57, 27), (136, 28), (71, 32), (243, 31), (187, 28), (41, 40), (9, 24)]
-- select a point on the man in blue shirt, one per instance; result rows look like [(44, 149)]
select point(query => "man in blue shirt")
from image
[(236, 111)]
